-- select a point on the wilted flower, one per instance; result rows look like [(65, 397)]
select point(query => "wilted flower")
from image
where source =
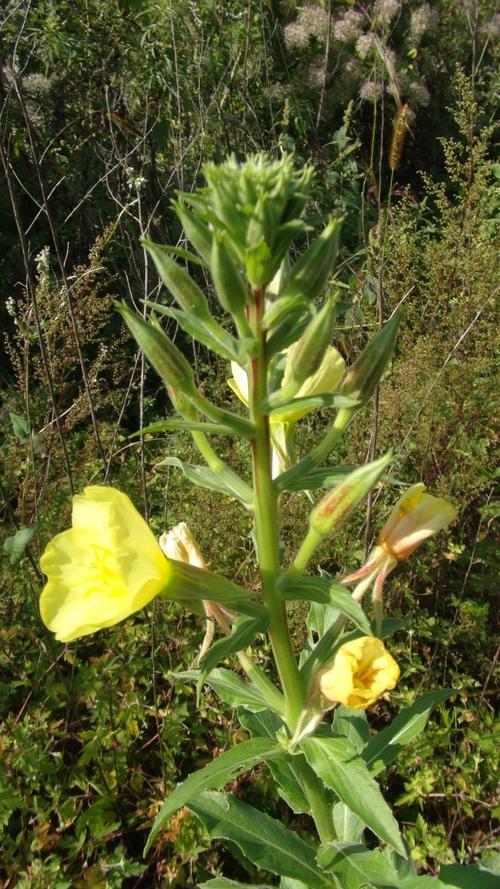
[(422, 18), (181, 545), (415, 517), (385, 10), (360, 672), (347, 28), (365, 44), (101, 570), (370, 91), (311, 21)]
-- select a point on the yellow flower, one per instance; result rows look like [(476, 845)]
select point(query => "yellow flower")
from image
[(361, 671), (414, 518), (101, 570)]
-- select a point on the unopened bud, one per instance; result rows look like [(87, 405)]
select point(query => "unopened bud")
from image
[(182, 404), (311, 272), (232, 289), (161, 353), (335, 507), (365, 374), (306, 356), (187, 293)]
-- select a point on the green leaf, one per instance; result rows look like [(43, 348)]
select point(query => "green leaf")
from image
[(355, 865), (20, 426), (348, 827), (179, 251), (242, 634), (284, 771), (318, 477), (472, 877), (188, 425), (353, 725), (215, 338), (202, 476), (230, 688), (323, 591), (266, 842), (383, 748), (338, 765), (240, 758), (15, 545), (288, 883), (224, 883), (309, 403)]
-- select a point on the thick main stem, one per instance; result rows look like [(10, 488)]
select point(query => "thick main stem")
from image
[(267, 527)]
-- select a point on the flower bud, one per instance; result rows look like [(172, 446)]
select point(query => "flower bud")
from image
[(365, 374), (306, 356), (166, 358), (182, 404), (231, 287), (335, 507), (311, 272), (189, 296)]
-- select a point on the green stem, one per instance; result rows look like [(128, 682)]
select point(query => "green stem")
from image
[(267, 528), (321, 808)]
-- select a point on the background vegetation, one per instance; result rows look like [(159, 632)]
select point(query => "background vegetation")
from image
[(106, 109)]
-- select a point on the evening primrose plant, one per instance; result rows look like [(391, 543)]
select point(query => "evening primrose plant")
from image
[(308, 719)]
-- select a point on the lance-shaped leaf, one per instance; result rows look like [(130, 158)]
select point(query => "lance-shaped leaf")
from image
[(338, 765), (454, 876), (348, 827), (230, 688), (308, 403), (353, 725), (285, 771), (222, 482), (323, 591), (355, 866), (384, 747), (224, 883), (188, 425), (318, 477), (240, 758), (242, 634), (265, 841), (210, 333)]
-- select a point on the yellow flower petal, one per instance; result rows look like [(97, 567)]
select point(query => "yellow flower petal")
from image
[(106, 567), (361, 671)]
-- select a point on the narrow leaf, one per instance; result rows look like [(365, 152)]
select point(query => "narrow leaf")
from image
[(230, 688), (318, 477), (454, 876), (183, 254), (243, 633), (338, 765), (240, 758), (353, 725), (224, 883), (284, 771), (266, 842), (215, 338), (223, 483), (355, 865), (348, 827), (188, 425), (323, 591), (383, 748), (309, 403)]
